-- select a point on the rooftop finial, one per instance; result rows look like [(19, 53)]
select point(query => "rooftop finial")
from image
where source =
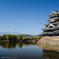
[(55, 11)]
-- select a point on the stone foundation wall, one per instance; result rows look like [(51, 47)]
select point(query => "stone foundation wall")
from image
[(49, 43)]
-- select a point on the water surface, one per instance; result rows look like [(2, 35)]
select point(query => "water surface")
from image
[(17, 50)]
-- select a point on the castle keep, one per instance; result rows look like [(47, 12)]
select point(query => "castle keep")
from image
[(52, 28)]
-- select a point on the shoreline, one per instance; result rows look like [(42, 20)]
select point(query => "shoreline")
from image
[(17, 41)]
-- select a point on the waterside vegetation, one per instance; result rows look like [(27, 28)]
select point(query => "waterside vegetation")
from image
[(9, 37)]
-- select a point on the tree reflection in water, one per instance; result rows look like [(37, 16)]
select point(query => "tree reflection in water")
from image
[(20, 45), (47, 54), (13, 44), (8, 44)]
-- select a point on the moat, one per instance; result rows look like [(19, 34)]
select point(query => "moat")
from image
[(29, 50)]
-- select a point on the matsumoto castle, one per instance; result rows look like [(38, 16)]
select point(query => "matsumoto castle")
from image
[(52, 28)]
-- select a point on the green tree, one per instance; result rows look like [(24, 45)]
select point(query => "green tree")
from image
[(20, 37), (33, 38), (9, 37), (0, 37), (4, 37), (39, 37), (14, 37)]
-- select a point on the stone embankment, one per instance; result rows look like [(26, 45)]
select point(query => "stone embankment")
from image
[(49, 43)]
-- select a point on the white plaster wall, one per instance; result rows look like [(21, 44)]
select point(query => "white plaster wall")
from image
[(51, 25)]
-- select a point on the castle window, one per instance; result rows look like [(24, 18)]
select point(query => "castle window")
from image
[(50, 27)]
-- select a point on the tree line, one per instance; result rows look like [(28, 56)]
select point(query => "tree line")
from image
[(10, 37)]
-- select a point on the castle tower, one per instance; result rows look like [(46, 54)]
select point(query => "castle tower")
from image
[(52, 28)]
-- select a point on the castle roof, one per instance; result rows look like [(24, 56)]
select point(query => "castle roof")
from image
[(56, 31), (50, 28), (52, 19), (52, 23), (54, 13)]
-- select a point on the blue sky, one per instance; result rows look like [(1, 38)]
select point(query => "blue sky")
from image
[(25, 16)]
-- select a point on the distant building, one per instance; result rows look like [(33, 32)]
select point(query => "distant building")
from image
[(52, 28), (29, 36)]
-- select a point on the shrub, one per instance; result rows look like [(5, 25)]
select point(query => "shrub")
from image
[(39, 37), (9, 37), (20, 37), (14, 37)]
